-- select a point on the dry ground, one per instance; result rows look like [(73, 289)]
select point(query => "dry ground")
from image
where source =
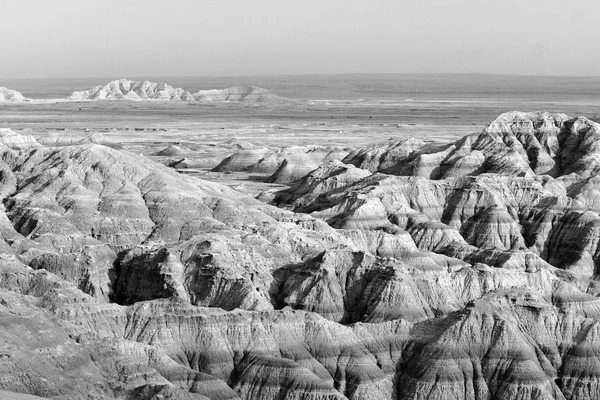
[(211, 132)]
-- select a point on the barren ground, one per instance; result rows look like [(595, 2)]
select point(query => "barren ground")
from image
[(211, 131)]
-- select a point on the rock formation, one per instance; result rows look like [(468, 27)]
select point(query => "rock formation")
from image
[(61, 138), (13, 140), (284, 165), (171, 150), (409, 271), (190, 163), (539, 206), (235, 93), (11, 96), (515, 143), (124, 89)]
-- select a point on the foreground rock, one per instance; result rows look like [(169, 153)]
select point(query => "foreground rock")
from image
[(539, 340), (172, 150)]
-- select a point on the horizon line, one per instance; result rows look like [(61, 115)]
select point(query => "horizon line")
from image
[(315, 74)]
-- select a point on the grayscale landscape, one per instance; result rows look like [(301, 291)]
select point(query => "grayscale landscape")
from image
[(162, 244), (315, 200)]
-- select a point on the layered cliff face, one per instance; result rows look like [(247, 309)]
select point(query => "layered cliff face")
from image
[(120, 278)]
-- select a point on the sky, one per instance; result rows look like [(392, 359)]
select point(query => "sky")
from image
[(125, 38)]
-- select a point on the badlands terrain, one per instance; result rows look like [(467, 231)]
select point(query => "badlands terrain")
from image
[(160, 242)]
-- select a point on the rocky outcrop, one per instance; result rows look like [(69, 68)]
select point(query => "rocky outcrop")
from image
[(487, 218), (13, 140), (246, 93), (245, 160), (11, 96), (503, 210), (515, 143), (384, 158), (330, 177), (538, 337), (62, 138), (124, 89), (193, 163), (295, 166), (121, 227), (171, 150), (477, 341), (284, 165)]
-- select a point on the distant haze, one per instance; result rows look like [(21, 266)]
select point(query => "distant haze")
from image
[(116, 38), (354, 86)]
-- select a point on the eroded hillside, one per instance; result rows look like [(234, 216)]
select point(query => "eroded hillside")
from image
[(401, 271)]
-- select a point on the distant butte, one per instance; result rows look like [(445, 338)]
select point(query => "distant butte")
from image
[(124, 89), (12, 96)]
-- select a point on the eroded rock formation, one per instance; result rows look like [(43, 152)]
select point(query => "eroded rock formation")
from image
[(12, 96), (409, 271), (530, 200), (284, 165), (247, 93), (125, 89), (13, 140)]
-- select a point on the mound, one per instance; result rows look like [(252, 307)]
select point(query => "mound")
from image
[(12, 96), (384, 158), (171, 150), (285, 165), (241, 161), (188, 163), (14, 140), (58, 139), (235, 93)]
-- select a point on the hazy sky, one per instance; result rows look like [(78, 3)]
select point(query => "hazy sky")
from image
[(124, 38)]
